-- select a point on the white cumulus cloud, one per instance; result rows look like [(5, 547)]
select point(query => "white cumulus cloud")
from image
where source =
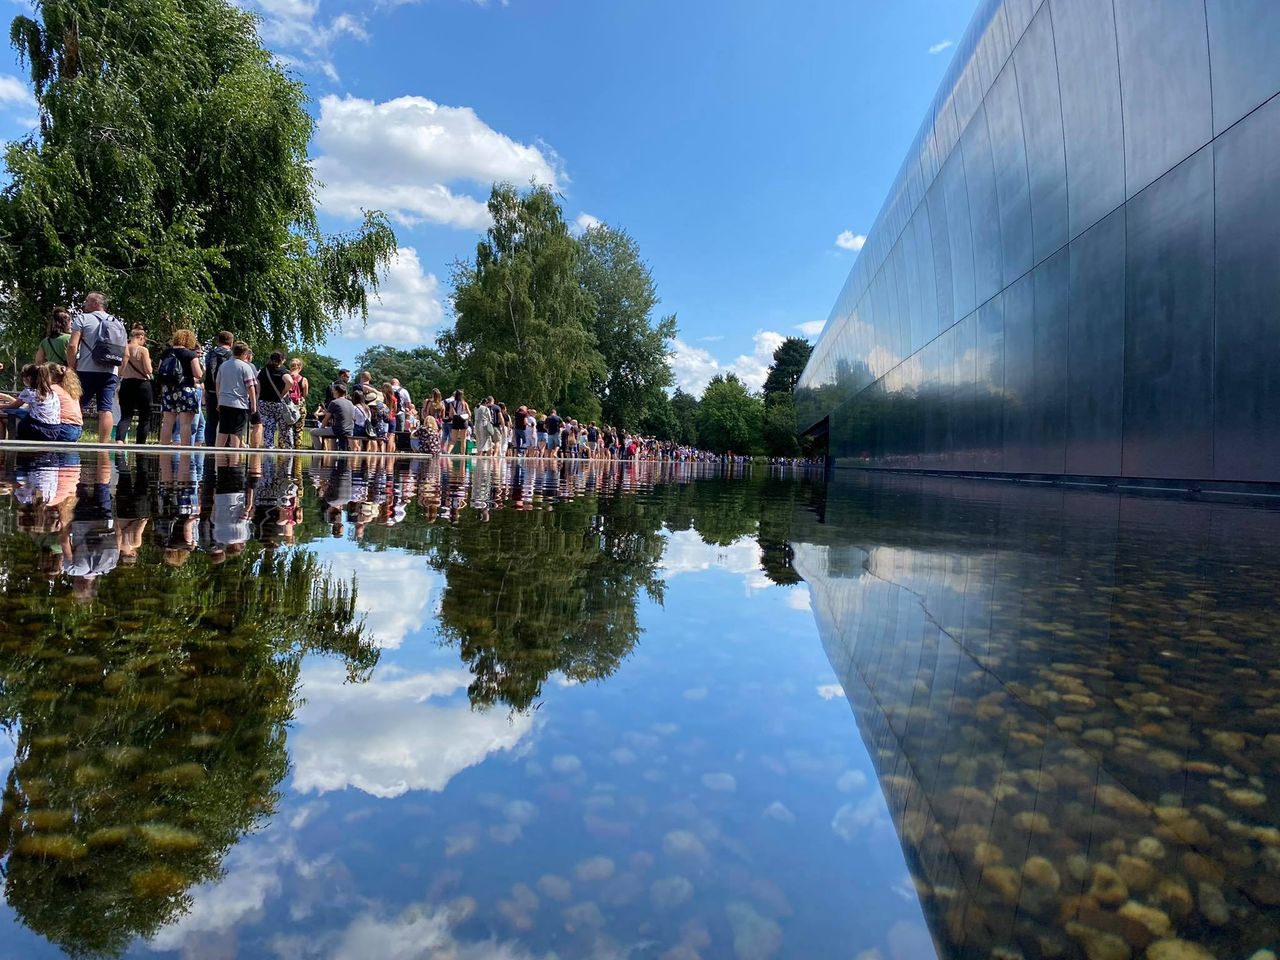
[(14, 92), (812, 328), (408, 308), (848, 240), (942, 45), (407, 156), (301, 36), (693, 367), (585, 222), (385, 737)]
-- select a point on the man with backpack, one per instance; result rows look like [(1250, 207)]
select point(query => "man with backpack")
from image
[(215, 357), (95, 352)]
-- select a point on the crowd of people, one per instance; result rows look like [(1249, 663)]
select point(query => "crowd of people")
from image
[(93, 513), (216, 396)]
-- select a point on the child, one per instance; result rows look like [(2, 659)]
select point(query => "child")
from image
[(66, 386), (43, 421)]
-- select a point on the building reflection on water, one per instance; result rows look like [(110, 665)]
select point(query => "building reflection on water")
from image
[(1070, 699)]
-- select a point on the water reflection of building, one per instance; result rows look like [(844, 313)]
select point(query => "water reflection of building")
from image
[(1070, 697)]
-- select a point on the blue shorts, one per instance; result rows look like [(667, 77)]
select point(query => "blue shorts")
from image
[(100, 388), (553, 441)]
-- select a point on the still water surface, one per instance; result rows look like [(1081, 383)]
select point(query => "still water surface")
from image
[(293, 708)]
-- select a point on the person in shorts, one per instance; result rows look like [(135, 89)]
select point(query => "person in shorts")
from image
[(554, 425), (98, 381), (237, 396)]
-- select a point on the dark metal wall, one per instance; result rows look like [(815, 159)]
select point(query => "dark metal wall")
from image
[(1077, 270)]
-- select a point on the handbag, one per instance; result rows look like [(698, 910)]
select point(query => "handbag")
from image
[(292, 413)]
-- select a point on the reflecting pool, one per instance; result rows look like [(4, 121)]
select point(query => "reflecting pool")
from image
[(375, 707)]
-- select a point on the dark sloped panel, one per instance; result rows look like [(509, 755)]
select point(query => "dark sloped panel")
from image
[(1018, 308), (989, 385), (1247, 358), (984, 211), (1009, 162), (1168, 349), (1085, 40), (1095, 352), (941, 244), (959, 235), (1037, 75), (1244, 55), (1049, 413), (1164, 78)]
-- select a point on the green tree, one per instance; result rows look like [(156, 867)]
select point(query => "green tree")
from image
[(170, 170), (684, 415), (525, 327), (634, 347), (730, 418), (788, 363), (779, 432), (150, 727), (527, 594), (419, 370)]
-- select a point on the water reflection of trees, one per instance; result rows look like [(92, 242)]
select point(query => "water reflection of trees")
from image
[(528, 594), (150, 727), (532, 592)]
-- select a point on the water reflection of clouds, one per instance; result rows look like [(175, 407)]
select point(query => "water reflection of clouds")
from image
[(397, 592), (686, 552), (386, 737), (270, 866)]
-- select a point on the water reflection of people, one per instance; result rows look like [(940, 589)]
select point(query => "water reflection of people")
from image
[(146, 744)]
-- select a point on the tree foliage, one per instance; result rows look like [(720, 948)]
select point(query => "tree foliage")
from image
[(729, 417), (633, 345), (150, 728), (170, 169), (684, 417), (789, 360), (525, 327)]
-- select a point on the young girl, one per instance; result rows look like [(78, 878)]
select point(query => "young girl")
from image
[(66, 386), (38, 397)]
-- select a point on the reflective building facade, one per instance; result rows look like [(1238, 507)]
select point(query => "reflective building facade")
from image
[(1077, 270)]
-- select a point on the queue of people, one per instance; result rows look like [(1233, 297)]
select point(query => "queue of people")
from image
[(219, 397)]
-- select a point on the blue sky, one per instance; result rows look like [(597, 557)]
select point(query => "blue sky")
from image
[(735, 140)]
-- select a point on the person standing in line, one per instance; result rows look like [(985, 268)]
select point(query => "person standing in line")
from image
[(274, 385), (553, 426), (218, 354), (178, 372), (404, 401), (95, 352), (298, 391), (53, 348), (136, 396), (459, 419), (340, 417), (483, 424), (344, 378), (237, 391), (519, 427)]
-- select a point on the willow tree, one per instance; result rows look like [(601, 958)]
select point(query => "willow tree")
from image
[(525, 327), (170, 170)]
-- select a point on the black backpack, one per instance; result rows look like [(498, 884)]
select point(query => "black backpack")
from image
[(170, 372), (212, 361)]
